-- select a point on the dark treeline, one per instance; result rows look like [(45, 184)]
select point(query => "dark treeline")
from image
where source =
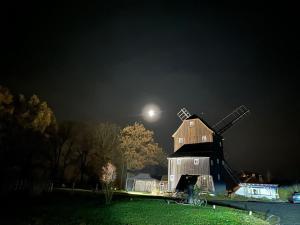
[(38, 153)]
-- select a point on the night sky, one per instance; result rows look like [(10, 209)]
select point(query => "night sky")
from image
[(105, 62)]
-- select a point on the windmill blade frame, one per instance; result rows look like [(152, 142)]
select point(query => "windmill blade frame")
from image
[(183, 114), (229, 120)]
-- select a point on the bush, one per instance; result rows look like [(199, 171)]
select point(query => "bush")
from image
[(285, 192), (107, 178)]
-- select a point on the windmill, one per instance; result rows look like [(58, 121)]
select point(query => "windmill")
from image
[(196, 138), (198, 158)]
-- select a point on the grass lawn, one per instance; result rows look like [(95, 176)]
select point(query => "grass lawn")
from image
[(83, 209)]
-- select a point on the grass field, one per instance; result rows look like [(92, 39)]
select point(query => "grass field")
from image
[(83, 209)]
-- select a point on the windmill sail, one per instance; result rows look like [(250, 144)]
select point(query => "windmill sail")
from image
[(183, 114), (231, 119), (231, 173)]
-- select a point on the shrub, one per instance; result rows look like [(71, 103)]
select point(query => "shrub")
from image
[(107, 178), (285, 192)]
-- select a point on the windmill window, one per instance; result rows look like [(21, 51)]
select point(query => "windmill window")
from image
[(180, 140), (192, 123), (211, 162), (196, 161), (171, 177), (219, 177), (223, 162), (204, 138), (178, 161), (220, 144), (217, 161)]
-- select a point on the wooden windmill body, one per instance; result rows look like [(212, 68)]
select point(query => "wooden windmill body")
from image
[(198, 153)]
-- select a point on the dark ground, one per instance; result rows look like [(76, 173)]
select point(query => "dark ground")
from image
[(289, 213), (15, 209), (85, 207)]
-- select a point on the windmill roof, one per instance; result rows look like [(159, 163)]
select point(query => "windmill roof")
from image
[(194, 116), (200, 149)]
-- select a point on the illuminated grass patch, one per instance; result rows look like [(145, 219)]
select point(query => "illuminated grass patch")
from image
[(90, 210), (159, 212)]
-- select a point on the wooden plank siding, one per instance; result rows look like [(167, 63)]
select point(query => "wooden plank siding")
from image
[(185, 166), (192, 131)]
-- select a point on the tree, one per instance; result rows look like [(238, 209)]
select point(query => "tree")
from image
[(106, 145), (6, 101), (108, 176), (106, 140), (62, 154), (34, 114), (6, 123), (138, 148), (84, 148), (25, 127)]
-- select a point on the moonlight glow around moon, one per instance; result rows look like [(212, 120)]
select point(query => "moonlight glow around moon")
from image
[(151, 113)]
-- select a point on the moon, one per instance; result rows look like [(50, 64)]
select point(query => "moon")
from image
[(151, 112)]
